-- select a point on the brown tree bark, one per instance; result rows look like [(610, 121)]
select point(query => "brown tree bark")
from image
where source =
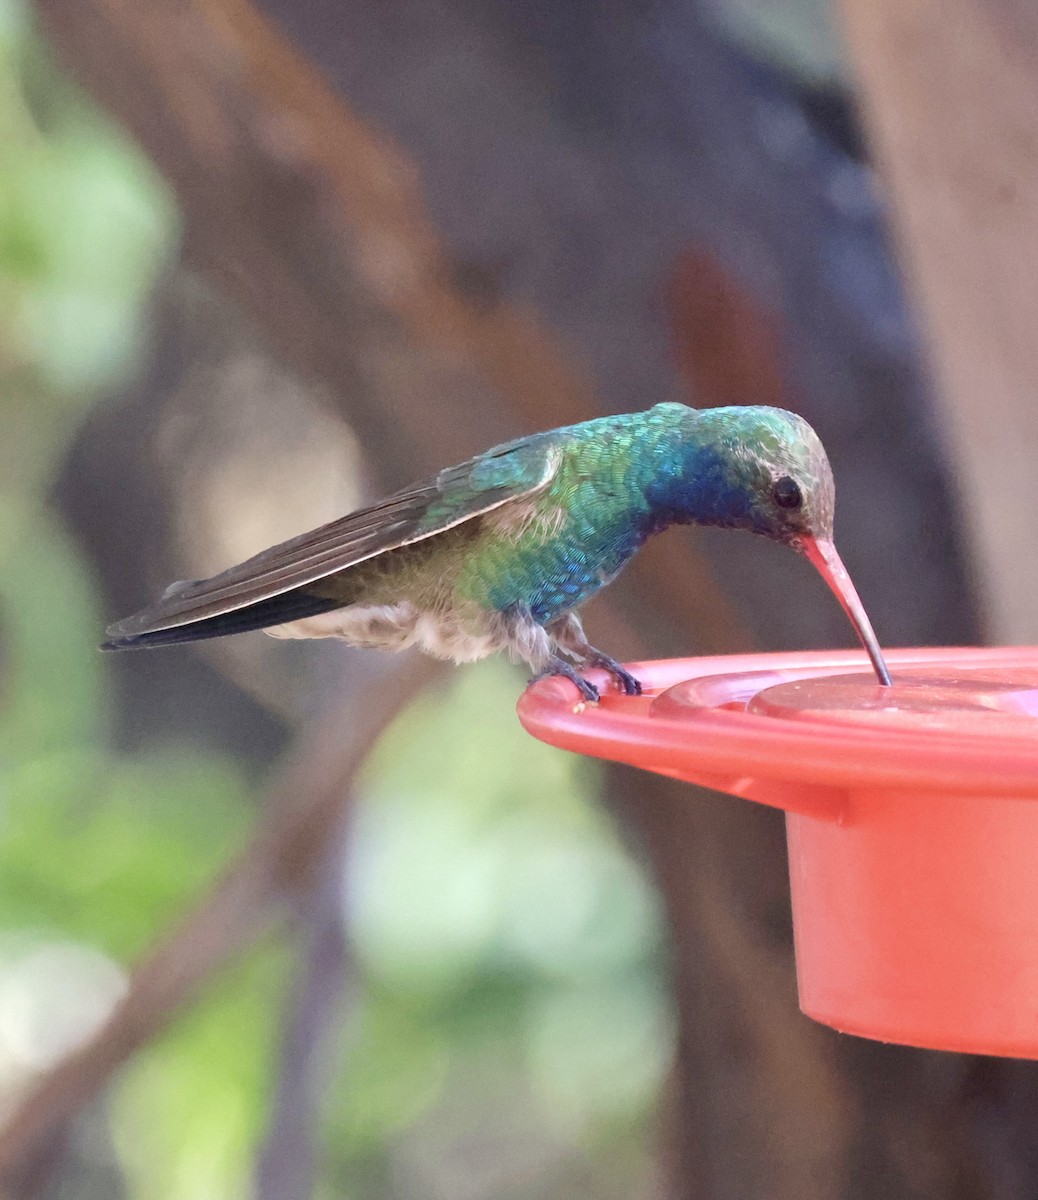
[(950, 93)]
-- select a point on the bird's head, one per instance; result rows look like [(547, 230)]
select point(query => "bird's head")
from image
[(761, 469), (765, 470)]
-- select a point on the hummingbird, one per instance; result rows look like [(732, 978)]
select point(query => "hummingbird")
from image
[(500, 552)]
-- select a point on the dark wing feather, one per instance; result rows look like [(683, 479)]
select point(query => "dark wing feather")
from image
[(512, 472)]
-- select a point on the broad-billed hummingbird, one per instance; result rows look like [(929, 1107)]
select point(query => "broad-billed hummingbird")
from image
[(500, 552)]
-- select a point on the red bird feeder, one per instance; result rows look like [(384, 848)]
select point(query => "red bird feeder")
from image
[(911, 818)]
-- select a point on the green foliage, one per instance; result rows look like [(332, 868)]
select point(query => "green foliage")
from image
[(191, 1110), (84, 224), (102, 852), (509, 947), (98, 853)]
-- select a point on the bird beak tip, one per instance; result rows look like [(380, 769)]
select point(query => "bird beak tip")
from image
[(822, 553)]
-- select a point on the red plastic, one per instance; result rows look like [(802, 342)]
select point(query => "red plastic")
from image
[(910, 813)]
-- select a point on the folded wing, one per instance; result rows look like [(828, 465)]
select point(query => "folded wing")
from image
[(509, 473)]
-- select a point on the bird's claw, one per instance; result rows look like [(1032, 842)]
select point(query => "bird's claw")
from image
[(625, 681), (560, 667)]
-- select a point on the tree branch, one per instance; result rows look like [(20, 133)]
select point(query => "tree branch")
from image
[(286, 1164), (303, 807)]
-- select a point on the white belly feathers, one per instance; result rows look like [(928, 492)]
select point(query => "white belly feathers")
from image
[(395, 627)]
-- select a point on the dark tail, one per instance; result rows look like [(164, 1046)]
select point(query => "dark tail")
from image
[(292, 606)]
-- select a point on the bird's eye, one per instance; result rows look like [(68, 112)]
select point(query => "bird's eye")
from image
[(786, 493)]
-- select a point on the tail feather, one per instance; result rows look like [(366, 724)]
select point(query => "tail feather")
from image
[(277, 610)]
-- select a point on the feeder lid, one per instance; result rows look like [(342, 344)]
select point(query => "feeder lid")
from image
[(912, 847), (956, 720)]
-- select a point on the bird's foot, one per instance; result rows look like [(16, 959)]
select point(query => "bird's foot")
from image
[(625, 681), (559, 666)]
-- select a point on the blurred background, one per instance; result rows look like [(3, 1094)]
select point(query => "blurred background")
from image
[(287, 920)]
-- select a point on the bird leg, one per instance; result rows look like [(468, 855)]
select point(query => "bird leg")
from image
[(568, 634), (532, 643), (559, 666)]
